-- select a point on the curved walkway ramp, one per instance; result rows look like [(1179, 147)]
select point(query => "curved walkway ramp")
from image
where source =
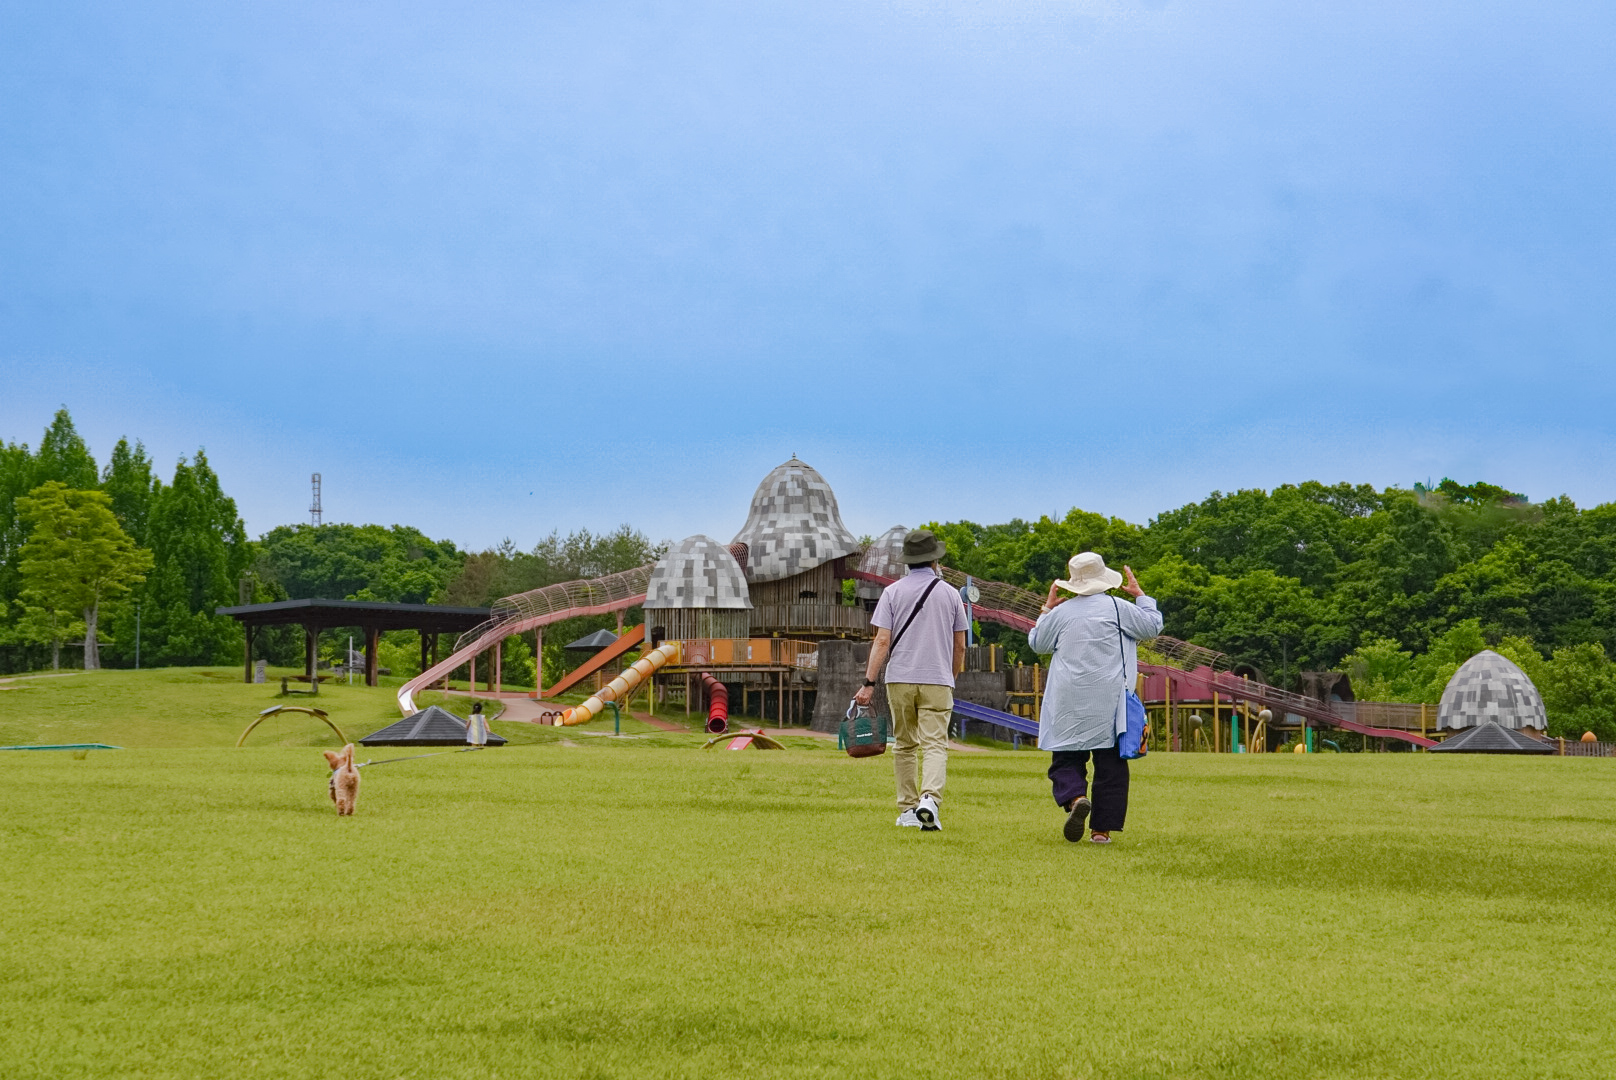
[(531, 610)]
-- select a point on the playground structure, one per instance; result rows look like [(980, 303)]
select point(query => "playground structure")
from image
[(751, 616), (746, 615)]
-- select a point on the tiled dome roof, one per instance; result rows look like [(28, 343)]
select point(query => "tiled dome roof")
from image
[(698, 573), (1489, 687), (794, 524)]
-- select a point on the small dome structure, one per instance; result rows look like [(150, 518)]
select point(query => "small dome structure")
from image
[(794, 524), (698, 590), (698, 573), (1489, 687)]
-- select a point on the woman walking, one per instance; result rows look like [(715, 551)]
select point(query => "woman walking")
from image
[(1094, 638)]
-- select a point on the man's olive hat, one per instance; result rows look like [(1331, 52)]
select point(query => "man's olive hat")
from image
[(921, 547)]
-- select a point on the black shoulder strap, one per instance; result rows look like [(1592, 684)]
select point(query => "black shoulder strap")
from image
[(936, 581)]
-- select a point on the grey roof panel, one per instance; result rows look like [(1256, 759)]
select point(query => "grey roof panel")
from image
[(698, 573), (794, 524), (1489, 687), (1490, 737)]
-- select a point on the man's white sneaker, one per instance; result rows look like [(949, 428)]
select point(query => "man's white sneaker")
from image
[(909, 819), (927, 813)]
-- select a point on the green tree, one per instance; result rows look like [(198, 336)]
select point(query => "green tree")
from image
[(200, 548), (76, 557), (128, 481), (63, 457), (395, 564)]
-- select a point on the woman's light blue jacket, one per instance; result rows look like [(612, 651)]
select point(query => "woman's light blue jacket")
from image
[(1095, 642)]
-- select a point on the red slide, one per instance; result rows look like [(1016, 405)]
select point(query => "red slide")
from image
[(717, 704)]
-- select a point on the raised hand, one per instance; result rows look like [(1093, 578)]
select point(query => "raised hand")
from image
[(1130, 584)]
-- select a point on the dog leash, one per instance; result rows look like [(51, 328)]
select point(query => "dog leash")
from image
[(419, 755)]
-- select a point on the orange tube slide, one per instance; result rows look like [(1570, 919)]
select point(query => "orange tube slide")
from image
[(619, 688)]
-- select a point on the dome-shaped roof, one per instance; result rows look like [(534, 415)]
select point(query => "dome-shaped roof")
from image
[(1489, 687), (794, 524), (884, 558), (698, 573)]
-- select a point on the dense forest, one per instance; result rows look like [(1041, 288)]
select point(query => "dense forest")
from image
[(1396, 586)]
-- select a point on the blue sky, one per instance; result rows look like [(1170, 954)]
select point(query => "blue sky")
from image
[(497, 269)]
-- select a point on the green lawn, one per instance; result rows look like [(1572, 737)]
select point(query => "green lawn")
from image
[(588, 907)]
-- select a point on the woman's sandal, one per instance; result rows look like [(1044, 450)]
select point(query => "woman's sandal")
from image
[(1100, 838), (1077, 816)]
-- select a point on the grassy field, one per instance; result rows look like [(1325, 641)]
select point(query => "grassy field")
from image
[(587, 907)]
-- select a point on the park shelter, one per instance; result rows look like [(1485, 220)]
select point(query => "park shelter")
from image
[(1489, 687), (432, 726), (371, 618), (1490, 737)]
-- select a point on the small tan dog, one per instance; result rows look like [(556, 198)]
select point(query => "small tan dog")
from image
[(344, 779)]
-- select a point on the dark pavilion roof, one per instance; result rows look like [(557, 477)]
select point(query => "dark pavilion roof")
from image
[(1491, 737), (432, 726), (600, 639), (428, 618)]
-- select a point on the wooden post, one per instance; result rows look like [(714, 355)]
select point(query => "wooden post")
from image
[(1214, 721), (471, 676), (499, 672), (538, 662), (424, 664), (246, 655), (372, 639), (1167, 709), (311, 639)]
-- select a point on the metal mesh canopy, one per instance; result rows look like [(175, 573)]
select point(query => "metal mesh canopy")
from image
[(698, 573), (566, 599), (1489, 737), (794, 524), (431, 726), (884, 558), (1489, 687)]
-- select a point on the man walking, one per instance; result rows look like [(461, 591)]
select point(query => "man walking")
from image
[(920, 623)]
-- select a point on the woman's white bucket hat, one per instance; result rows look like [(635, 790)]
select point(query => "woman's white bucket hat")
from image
[(1087, 574)]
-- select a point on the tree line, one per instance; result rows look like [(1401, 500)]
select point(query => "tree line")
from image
[(1395, 586), (89, 553)]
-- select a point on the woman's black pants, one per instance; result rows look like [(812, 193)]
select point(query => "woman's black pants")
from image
[(1068, 776)]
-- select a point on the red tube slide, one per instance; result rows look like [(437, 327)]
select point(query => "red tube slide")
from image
[(717, 704)]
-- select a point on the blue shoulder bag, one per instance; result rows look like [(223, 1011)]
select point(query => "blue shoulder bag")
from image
[(1131, 742)]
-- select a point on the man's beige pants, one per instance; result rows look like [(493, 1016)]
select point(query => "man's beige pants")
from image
[(920, 713)]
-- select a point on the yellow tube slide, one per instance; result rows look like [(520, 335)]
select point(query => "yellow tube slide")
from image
[(619, 688)]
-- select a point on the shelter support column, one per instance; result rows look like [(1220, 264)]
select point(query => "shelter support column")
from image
[(538, 662), (424, 664), (372, 634), (311, 643), (499, 671), (246, 653)]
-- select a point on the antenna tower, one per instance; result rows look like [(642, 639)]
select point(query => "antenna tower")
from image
[(314, 507)]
